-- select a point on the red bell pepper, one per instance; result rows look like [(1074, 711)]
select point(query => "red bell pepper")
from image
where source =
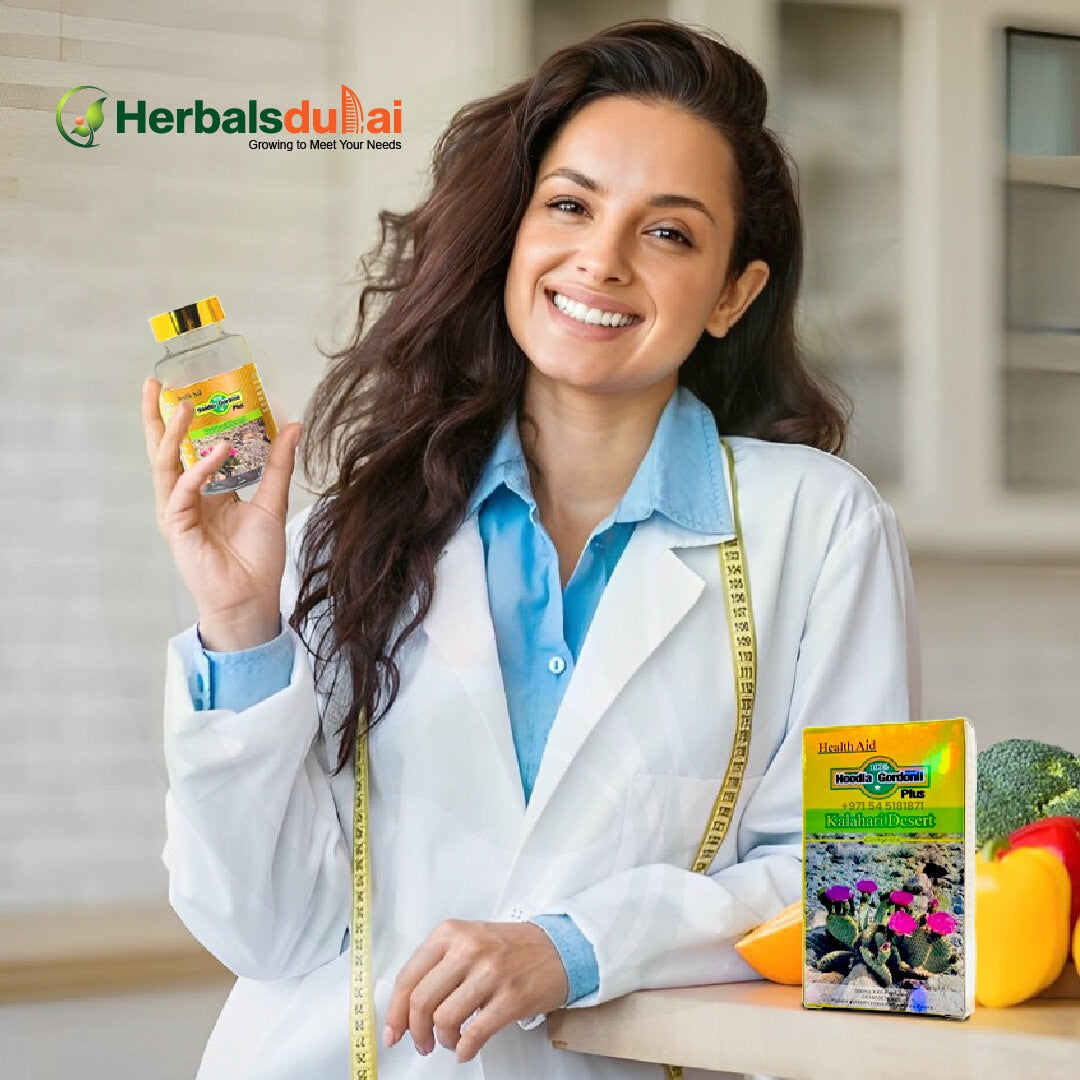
[(1061, 835)]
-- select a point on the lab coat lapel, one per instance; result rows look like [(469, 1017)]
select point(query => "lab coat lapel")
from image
[(650, 591), (459, 626)]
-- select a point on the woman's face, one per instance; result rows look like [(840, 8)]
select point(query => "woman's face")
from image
[(620, 259)]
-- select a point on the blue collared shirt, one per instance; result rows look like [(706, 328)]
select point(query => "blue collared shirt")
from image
[(539, 625)]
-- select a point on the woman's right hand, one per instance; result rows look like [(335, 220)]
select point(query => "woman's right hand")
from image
[(230, 553)]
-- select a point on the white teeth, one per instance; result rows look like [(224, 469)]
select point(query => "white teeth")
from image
[(592, 316)]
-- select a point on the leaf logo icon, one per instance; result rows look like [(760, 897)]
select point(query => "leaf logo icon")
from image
[(87, 123)]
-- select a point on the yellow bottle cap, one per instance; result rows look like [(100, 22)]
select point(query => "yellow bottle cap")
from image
[(180, 320)]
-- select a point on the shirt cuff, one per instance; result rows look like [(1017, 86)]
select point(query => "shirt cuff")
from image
[(576, 952), (238, 680)]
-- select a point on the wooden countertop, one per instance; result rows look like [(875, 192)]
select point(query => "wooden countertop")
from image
[(752, 1027), (55, 954), (762, 1028)]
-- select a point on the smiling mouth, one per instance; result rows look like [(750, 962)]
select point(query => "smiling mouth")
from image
[(578, 311)]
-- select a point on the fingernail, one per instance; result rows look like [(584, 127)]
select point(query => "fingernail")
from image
[(388, 1036)]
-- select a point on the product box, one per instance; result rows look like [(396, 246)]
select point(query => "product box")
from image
[(889, 867)]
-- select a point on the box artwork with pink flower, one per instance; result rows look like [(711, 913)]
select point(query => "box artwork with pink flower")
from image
[(889, 867)]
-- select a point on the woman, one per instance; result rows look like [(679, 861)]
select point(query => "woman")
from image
[(513, 586)]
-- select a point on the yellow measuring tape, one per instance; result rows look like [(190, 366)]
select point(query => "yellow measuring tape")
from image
[(363, 1053), (740, 619), (741, 633)]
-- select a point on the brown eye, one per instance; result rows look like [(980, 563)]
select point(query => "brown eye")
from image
[(665, 232), (567, 206)]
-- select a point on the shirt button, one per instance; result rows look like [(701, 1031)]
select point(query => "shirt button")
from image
[(556, 665)]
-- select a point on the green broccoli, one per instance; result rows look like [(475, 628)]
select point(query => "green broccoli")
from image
[(1021, 780)]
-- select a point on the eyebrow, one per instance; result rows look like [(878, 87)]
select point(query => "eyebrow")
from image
[(662, 200)]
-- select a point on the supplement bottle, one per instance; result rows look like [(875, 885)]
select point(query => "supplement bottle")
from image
[(216, 373)]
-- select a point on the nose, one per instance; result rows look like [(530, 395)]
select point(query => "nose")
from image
[(602, 254)]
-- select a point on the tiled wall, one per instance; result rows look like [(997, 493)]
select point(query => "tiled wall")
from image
[(1001, 645), (92, 242)]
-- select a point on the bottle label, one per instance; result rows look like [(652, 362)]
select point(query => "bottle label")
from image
[(231, 406)]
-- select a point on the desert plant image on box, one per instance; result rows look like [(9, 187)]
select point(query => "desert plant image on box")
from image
[(884, 925)]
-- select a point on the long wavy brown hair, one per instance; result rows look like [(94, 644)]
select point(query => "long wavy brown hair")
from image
[(408, 412)]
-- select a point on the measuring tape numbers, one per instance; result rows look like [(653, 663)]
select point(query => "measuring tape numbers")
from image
[(362, 1049)]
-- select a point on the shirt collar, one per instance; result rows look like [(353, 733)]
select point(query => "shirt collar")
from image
[(506, 467), (681, 476)]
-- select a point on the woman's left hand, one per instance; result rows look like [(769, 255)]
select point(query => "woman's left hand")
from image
[(501, 972)]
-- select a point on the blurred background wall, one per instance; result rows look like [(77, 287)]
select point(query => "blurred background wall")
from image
[(96, 241), (939, 163)]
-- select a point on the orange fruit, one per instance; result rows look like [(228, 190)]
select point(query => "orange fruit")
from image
[(775, 948)]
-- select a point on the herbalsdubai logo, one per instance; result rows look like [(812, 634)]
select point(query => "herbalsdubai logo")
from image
[(328, 128), (85, 126)]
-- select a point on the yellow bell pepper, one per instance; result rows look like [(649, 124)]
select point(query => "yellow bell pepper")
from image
[(1021, 924)]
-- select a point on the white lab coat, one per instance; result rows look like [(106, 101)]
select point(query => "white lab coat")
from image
[(259, 834)]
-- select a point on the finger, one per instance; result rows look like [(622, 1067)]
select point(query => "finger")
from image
[(165, 464), (273, 491), (456, 1008), (426, 997), (493, 1017), (153, 425), (429, 997), (415, 968), (184, 509)]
